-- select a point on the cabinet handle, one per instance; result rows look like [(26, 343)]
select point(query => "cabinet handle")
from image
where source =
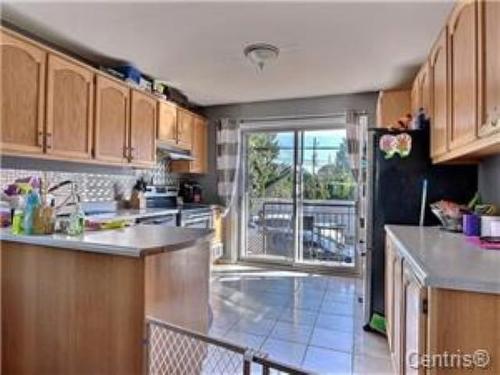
[(39, 139), (48, 140), (425, 306)]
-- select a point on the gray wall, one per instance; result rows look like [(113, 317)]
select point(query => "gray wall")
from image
[(323, 105), (489, 180), (279, 108)]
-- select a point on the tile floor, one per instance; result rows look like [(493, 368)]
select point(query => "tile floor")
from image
[(312, 322)]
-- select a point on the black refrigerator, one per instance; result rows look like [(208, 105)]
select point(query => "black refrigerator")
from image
[(394, 194)]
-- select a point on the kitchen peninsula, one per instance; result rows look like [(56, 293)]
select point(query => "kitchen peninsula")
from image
[(442, 296), (79, 304)]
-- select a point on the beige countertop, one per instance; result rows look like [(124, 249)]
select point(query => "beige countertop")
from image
[(134, 241), (447, 260)]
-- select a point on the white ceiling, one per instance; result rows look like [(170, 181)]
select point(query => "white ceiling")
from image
[(326, 47)]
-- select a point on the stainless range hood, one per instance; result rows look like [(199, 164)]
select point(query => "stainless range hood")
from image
[(172, 152)]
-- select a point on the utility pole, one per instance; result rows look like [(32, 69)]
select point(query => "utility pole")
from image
[(314, 161)]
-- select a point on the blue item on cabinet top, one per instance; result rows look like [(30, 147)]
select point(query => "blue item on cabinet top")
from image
[(130, 73)]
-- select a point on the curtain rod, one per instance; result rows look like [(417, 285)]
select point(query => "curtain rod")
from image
[(300, 117)]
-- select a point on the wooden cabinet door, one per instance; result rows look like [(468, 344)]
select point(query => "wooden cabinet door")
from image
[(425, 89), (415, 95), (414, 323), (111, 120), (390, 260), (199, 148), (167, 123), (463, 53), (489, 67), (70, 98), (438, 66), (22, 95), (398, 311), (184, 128), (142, 129), (391, 106)]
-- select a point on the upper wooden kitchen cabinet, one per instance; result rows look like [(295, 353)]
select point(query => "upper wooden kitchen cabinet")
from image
[(391, 106), (462, 34), (70, 100), (415, 95), (420, 91), (143, 118), (22, 95), (112, 120), (167, 123), (424, 87), (489, 67), (199, 149), (438, 71), (185, 120)]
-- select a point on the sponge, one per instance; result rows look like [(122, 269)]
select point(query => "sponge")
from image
[(377, 323)]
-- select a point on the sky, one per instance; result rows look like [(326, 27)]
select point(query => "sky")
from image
[(330, 139)]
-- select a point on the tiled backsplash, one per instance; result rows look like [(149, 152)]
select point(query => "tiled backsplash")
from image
[(93, 186)]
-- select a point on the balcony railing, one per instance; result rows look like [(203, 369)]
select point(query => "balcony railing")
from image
[(328, 229)]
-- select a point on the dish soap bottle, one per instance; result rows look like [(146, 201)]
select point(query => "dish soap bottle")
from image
[(32, 203), (76, 220)]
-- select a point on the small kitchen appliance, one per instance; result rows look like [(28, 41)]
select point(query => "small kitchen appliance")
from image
[(191, 192)]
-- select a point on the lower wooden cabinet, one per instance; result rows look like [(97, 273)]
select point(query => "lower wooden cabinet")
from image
[(390, 259), (397, 317), (413, 322), (426, 324)]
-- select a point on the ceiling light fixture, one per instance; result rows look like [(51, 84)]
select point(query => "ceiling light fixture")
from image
[(261, 53)]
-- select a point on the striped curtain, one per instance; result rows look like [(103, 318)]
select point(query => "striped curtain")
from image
[(353, 136), (228, 161)]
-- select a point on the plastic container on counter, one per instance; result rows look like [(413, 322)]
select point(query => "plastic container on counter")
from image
[(471, 225), (5, 214), (487, 225)]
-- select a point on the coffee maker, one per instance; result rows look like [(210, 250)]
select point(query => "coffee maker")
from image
[(190, 192)]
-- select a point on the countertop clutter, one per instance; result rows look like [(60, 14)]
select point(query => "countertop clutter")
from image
[(134, 241), (447, 260)]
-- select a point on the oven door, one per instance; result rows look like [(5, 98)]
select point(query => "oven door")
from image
[(201, 221)]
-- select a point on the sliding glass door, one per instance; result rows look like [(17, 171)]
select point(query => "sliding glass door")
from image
[(298, 198), (326, 205), (269, 204)]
